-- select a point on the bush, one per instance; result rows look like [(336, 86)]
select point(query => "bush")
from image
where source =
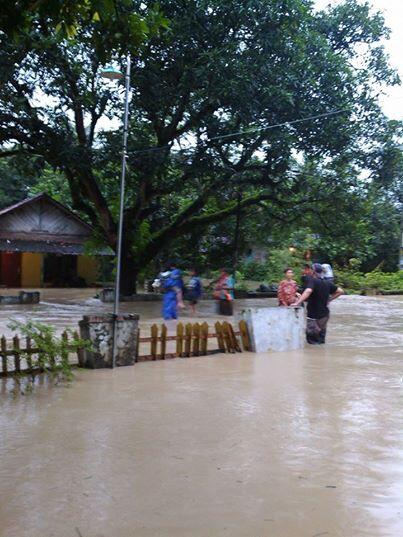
[(272, 270), (280, 259), (53, 355), (251, 270), (377, 280)]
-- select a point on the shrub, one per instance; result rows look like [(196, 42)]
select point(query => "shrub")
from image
[(53, 355), (278, 260), (358, 281), (251, 270)]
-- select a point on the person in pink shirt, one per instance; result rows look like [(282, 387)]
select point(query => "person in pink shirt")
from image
[(288, 289)]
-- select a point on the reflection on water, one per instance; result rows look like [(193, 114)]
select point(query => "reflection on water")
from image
[(289, 444)]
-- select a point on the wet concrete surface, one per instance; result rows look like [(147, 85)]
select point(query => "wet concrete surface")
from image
[(297, 444)]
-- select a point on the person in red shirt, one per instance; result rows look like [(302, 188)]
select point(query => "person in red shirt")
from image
[(288, 289)]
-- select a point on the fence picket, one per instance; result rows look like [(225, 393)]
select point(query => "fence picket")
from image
[(243, 328), (80, 352), (154, 341), (4, 362), (179, 340), (29, 355), (227, 337), (204, 338), (17, 354), (163, 341), (188, 339), (196, 340), (233, 338), (220, 337)]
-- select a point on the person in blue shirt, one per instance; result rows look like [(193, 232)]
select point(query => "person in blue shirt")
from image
[(170, 298), (194, 290)]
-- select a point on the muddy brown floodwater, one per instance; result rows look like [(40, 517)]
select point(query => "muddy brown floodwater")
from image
[(296, 444)]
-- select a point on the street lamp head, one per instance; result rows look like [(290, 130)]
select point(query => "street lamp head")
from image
[(111, 73)]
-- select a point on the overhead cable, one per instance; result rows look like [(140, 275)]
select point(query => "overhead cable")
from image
[(250, 131)]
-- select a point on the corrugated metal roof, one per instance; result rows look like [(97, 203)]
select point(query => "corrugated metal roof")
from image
[(47, 247)]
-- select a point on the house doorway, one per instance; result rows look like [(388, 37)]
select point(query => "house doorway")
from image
[(59, 270), (10, 269)]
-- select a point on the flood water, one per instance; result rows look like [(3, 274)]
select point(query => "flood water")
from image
[(296, 444)]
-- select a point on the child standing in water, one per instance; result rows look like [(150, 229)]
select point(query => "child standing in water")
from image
[(193, 291), (287, 289)]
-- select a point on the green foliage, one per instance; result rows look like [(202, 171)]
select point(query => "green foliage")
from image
[(376, 279), (115, 23), (18, 175), (280, 259), (272, 270), (53, 351), (252, 270), (54, 183)]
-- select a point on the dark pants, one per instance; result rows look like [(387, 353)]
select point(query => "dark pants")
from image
[(316, 330), (225, 307)]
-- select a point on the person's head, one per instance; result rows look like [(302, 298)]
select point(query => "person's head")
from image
[(307, 269), (288, 273), (317, 270), (224, 271), (327, 270), (193, 272)]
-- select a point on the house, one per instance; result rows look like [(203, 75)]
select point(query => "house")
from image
[(42, 244)]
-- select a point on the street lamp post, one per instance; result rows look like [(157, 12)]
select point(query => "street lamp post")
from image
[(113, 74)]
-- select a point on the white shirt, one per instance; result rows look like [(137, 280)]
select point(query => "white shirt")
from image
[(327, 271)]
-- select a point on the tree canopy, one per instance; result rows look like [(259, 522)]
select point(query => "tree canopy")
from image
[(235, 105)]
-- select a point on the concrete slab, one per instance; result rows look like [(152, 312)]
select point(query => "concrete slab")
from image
[(276, 328)]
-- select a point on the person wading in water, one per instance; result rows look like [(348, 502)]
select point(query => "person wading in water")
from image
[(318, 293), (224, 293)]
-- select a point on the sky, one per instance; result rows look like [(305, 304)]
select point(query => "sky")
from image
[(392, 102)]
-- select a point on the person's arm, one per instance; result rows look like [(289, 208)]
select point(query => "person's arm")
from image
[(339, 291), (305, 295)]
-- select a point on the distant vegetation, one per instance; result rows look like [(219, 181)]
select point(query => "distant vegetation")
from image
[(349, 277)]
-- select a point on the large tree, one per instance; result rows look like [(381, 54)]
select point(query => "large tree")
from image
[(207, 94)]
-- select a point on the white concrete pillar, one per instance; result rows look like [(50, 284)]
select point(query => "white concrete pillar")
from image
[(276, 328)]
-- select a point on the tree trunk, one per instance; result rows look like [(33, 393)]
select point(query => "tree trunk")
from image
[(128, 276)]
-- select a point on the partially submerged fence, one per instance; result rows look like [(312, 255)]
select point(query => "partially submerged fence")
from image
[(18, 355), (194, 339)]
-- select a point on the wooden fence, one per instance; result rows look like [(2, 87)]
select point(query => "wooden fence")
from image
[(190, 340), (21, 353), (193, 340)]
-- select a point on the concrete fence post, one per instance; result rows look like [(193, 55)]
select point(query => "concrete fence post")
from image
[(99, 330)]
